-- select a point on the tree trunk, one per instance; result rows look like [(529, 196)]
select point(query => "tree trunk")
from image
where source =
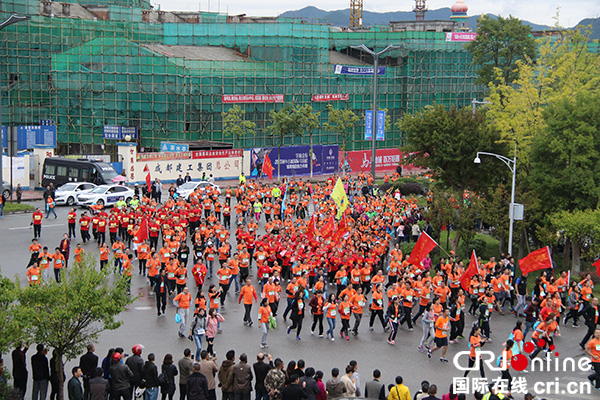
[(522, 245), (279, 161), (455, 242), (576, 267), (310, 156), (502, 244), (566, 253), (60, 368)]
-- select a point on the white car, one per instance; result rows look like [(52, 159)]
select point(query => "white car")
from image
[(67, 193), (189, 187), (105, 195)]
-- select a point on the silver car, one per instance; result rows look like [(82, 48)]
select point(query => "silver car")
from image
[(6, 190), (67, 193), (189, 187)]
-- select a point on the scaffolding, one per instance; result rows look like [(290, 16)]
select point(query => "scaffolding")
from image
[(168, 78)]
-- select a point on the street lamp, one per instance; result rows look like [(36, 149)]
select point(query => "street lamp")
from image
[(474, 104), (375, 56), (13, 19), (512, 165)]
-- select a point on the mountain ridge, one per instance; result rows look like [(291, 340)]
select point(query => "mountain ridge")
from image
[(370, 18)]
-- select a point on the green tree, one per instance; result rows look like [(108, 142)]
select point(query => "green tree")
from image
[(581, 229), (69, 315), (235, 125), (291, 121), (341, 123), (500, 43), (445, 142), (10, 331), (565, 156)]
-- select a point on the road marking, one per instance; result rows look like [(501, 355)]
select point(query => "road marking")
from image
[(143, 308), (31, 227)]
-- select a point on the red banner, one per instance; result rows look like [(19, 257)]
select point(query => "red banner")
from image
[(536, 260), (330, 97), (472, 270), (216, 154), (423, 247), (267, 167), (328, 229), (186, 155), (253, 98), (385, 160)]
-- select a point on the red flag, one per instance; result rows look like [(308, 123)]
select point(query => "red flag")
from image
[(423, 247), (536, 260), (148, 184), (311, 229), (471, 271), (341, 230), (597, 265), (328, 228), (267, 167), (142, 233)]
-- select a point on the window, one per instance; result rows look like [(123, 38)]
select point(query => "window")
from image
[(49, 169), (61, 170), (120, 189), (73, 172), (85, 174)]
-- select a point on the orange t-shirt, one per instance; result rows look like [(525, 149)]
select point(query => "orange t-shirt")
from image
[(264, 313), (441, 323), (248, 294), (183, 300)]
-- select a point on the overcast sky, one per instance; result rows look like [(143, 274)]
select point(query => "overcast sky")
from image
[(537, 11)]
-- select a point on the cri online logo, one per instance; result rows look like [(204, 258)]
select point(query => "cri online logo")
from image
[(520, 362)]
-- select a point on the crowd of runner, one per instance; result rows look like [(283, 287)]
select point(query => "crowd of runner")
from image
[(307, 263)]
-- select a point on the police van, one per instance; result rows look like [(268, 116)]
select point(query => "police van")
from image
[(60, 170)]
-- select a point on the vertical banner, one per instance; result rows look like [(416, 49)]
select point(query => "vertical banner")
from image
[(330, 159), (380, 125), (368, 125)]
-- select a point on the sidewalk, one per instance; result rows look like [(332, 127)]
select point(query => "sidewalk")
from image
[(28, 195)]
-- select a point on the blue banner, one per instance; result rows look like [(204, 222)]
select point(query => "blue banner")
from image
[(296, 160), (330, 161), (169, 147), (369, 125), (380, 125), (32, 135), (362, 71), (119, 132)]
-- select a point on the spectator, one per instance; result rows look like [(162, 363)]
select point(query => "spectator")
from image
[(375, 389), (98, 387), (208, 368), (334, 386), (242, 379), (41, 373), (74, 387), (151, 378), (185, 369), (293, 391), (400, 391), (308, 383), (197, 385), (431, 392), (260, 371), (226, 376)]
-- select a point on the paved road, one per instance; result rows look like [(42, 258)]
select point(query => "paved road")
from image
[(159, 334)]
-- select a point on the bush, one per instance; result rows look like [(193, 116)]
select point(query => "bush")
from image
[(407, 247), (476, 244), (412, 188)]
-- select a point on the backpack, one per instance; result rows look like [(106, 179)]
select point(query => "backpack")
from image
[(162, 380)]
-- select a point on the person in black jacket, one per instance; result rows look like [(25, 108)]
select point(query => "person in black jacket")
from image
[(590, 315), (151, 378), (136, 365), (293, 391), (197, 385), (98, 387), (169, 371), (41, 373), (20, 369), (261, 368), (309, 384), (88, 364), (161, 288), (120, 378), (298, 307), (54, 375)]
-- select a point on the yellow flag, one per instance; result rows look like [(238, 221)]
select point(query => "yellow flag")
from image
[(339, 196)]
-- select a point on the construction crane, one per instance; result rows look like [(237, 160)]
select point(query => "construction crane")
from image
[(420, 10), (356, 11)]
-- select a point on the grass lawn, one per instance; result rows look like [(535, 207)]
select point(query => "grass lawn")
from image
[(12, 207)]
